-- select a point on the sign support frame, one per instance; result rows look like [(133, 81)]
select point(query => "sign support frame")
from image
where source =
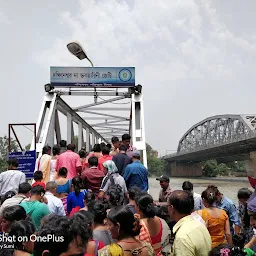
[(11, 130), (24, 153)]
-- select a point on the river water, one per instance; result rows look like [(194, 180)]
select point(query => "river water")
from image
[(227, 186)]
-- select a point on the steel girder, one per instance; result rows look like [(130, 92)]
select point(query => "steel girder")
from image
[(48, 125), (218, 130), (108, 125)]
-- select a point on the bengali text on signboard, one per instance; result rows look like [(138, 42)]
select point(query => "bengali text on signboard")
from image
[(26, 160), (92, 76)]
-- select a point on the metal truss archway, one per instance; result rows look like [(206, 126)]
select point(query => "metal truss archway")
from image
[(216, 131), (99, 121)]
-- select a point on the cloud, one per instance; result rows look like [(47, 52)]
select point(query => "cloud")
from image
[(4, 19), (174, 45)]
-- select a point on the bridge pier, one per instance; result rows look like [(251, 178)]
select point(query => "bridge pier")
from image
[(250, 165), (183, 169)]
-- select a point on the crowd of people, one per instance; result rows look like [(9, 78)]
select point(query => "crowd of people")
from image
[(98, 203)]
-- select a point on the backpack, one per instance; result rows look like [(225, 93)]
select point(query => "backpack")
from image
[(114, 189)]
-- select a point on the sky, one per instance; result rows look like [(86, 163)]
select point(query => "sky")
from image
[(194, 58)]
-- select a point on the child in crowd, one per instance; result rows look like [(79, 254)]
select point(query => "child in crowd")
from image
[(75, 200), (133, 192), (38, 177), (93, 245)]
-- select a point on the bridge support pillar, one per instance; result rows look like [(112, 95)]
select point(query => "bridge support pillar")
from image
[(88, 143), (250, 165), (178, 169)]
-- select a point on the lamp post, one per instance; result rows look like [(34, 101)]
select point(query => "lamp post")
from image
[(76, 49)]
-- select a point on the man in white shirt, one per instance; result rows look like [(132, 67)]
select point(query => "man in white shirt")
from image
[(11, 179), (198, 204), (54, 203)]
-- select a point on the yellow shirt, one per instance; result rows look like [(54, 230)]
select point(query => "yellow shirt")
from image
[(192, 238)]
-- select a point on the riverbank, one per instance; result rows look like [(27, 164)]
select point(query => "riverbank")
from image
[(222, 178), (229, 186)]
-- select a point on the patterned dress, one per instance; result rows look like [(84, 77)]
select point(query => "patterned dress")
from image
[(117, 250)]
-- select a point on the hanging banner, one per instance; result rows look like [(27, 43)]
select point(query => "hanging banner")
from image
[(108, 77), (26, 160)]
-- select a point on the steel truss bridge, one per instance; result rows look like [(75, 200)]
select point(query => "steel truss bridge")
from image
[(115, 111), (222, 137)]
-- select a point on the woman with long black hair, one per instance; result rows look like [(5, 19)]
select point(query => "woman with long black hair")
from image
[(101, 230), (124, 228), (75, 199), (155, 230)]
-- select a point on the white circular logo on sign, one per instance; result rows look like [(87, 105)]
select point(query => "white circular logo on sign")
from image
[(125, 75)]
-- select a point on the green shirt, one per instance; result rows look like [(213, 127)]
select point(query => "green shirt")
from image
[(249, 252), (36, 210)]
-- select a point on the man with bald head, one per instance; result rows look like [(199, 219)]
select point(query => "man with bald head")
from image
[(191, 236), (54, 203)]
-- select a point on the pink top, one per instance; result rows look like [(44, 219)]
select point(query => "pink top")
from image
[(97, 154), (103, 159), (71, 161)]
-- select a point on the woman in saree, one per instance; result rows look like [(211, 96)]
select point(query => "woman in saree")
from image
[(124, 229), (64, 186), (43, 163)]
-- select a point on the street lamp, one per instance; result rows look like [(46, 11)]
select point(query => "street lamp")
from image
[(76, 49)]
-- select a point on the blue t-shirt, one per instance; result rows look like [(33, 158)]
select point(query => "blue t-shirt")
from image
[(136, 174), (74, 200), (230, 208)]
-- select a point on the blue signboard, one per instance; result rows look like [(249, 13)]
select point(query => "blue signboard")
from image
[(26, 160), (108, 77)]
